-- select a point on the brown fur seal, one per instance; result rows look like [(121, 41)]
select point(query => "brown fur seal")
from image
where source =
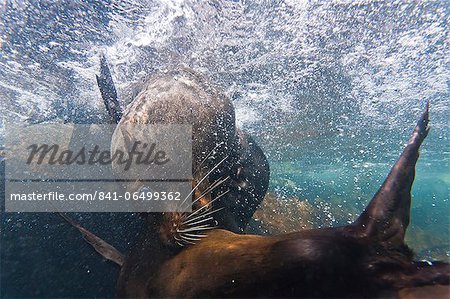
[(235, 189), (367, 258)]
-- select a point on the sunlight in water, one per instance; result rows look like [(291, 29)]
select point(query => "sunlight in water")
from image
[(331, 90)]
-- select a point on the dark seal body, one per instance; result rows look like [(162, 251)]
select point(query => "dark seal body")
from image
[(366, 259), (185, 97)]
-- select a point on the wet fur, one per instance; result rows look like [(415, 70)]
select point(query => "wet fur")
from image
[(185, 97), (367, 258)]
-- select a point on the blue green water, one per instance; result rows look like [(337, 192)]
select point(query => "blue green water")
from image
[(331, 91), (429, 230)]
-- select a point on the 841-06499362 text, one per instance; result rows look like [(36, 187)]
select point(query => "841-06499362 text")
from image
[(107, 196)]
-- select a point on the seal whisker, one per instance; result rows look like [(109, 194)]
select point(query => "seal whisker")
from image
[(194, 229), (178, 240), (216, 184), (208, 156), (211, 188), (203, 207), (190, 240), (198, 184), (194, 235), (218, 197), (194, 223), (202, 215)]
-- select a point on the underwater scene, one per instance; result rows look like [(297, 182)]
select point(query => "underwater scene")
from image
[(328, 94)]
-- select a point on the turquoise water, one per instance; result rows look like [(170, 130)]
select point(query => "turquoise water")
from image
[(429, 230), (331, 91), (344, 171)]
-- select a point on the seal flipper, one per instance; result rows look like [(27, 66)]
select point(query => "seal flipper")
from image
[(386, 217), (100, 245), (108, 91)]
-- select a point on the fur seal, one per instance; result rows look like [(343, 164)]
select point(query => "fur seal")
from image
[(235, 189), (367, 258)]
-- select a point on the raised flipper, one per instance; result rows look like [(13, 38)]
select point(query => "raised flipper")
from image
[(100, 245), (386, 217), (108, 91)]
